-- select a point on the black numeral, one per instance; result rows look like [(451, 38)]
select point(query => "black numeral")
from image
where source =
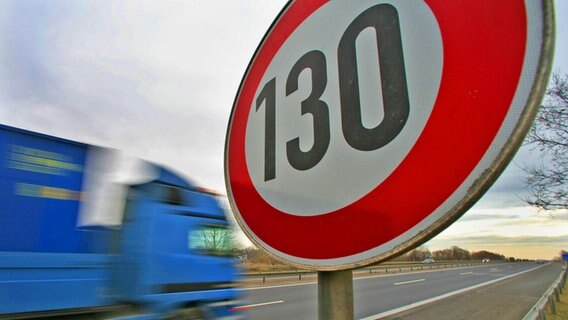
[(314, 60), (268, 96), (384, 19)]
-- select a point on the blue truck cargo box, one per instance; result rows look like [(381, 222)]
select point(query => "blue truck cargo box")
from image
[(56, 256), (41, 179)]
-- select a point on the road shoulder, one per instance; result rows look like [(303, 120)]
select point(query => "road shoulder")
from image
[(508, 299)]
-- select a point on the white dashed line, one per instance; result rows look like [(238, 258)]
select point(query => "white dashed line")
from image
[(407, 282)]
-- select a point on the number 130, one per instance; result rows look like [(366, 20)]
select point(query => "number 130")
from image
[(384, 19)]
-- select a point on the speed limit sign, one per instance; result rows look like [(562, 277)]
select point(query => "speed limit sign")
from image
[(363, 128)]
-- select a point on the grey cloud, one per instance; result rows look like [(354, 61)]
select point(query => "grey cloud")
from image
[(153, 78), (508, 191), (119, 74), (479, 240), (478, 217), (541, 220)]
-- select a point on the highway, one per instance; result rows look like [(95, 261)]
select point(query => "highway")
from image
[(380, 296)]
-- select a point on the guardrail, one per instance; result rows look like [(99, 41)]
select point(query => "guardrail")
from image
[(378, 269), (551, 296)]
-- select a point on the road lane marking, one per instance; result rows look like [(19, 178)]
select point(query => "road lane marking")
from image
[(464, 273), (282, 286), (377, 275), (408, 282), (248, 306), (446, 295)]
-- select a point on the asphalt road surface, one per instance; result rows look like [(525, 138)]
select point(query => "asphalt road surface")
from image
[(406, 294)]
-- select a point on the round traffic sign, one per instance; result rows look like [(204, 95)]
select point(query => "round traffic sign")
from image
[(362, 129)]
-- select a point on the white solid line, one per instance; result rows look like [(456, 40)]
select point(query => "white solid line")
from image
[(407, 282), (260, 304), (464, 273), (449, 294), (281, 286)]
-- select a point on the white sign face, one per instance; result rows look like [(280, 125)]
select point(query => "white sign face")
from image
[(362, 129), (315, 191)]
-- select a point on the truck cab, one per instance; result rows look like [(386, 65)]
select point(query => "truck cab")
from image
[(175, 254)]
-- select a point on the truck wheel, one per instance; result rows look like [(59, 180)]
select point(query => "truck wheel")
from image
[(193, 313)]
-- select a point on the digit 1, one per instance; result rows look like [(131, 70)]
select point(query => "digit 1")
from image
[(384, 19), (268, 96)]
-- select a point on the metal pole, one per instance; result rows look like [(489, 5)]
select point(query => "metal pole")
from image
[(335, 295)]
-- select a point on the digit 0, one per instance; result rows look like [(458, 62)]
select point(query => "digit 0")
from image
[(384, 19)]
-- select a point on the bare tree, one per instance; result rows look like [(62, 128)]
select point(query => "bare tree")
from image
[(419, 254), (453, 253), (546, 181), (483, 254), (214, 240), (459, 253)]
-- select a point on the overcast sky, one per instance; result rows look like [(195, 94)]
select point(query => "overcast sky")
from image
[(157, 80)]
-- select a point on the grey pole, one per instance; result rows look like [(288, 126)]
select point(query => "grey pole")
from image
[(335, 295)]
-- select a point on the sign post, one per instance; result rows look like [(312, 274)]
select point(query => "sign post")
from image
[(362, 129), (335, 295)]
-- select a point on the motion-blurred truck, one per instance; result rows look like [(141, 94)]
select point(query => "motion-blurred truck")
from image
[(167, 255)]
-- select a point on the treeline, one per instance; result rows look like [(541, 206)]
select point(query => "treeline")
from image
[(452, 253), (256, 256)]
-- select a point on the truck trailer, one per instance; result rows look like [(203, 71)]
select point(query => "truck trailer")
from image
[(167, 256)]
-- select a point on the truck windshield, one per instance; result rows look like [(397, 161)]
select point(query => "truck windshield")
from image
[(212, 240)]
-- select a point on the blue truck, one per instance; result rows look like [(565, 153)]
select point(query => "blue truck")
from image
[(168, 258)]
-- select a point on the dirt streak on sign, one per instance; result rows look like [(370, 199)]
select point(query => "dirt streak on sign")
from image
[(362, 129)]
